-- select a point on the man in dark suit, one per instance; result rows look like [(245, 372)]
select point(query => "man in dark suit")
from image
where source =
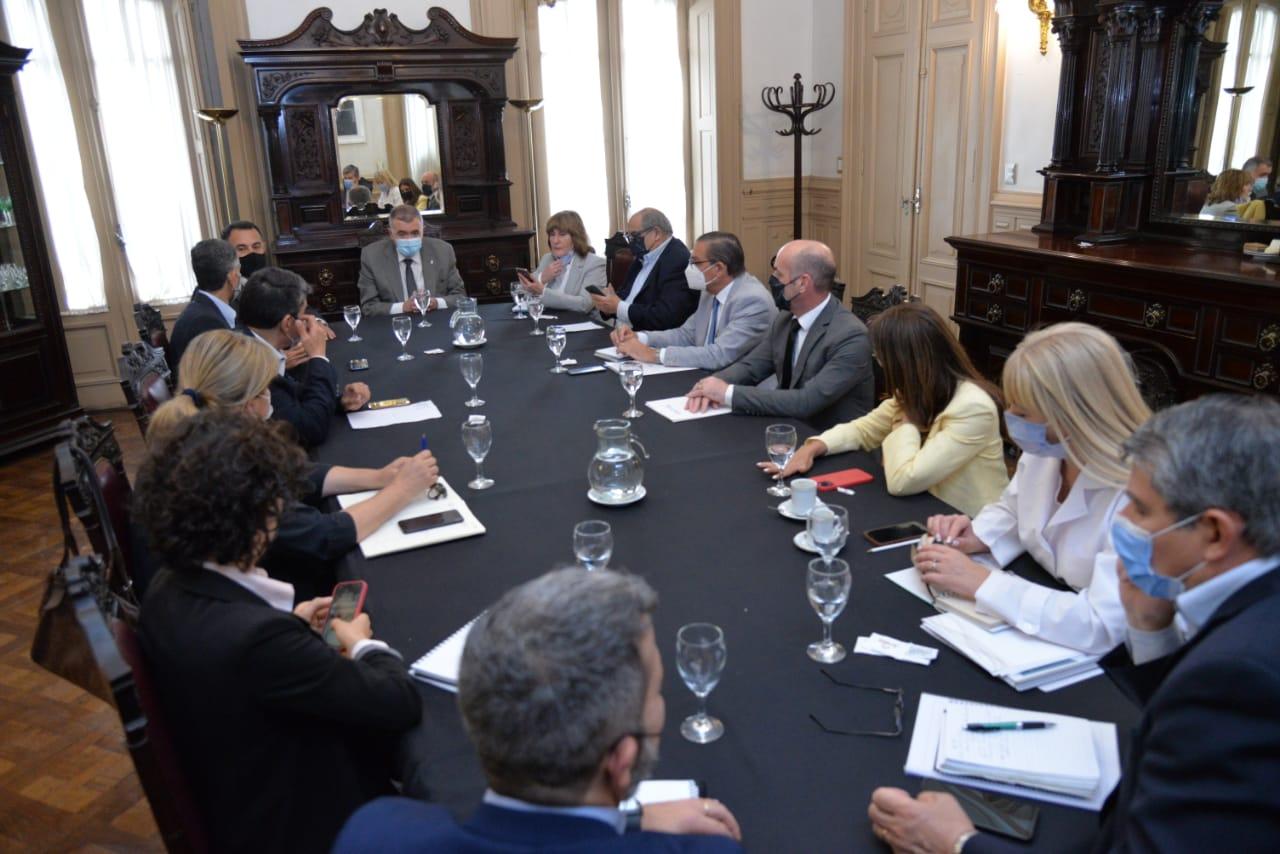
[(1199, 547), (392, 269), (560, 688), (656, 294), (281, 736), (272, 309), (217, 272), (814, 362)]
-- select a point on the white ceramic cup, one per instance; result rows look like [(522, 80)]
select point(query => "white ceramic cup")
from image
[(804, 495)]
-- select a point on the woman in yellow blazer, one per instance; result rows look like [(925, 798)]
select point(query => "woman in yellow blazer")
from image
[(939, 429)]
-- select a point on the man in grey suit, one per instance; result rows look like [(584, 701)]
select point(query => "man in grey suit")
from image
[(733, 312), (814, 362), (393, 268)]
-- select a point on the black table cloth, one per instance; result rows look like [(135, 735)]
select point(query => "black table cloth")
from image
[(706, 537)]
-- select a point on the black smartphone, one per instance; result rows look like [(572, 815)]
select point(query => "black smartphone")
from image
[(348, 602), (595, 289), (991, 810), (358, 365), (895, 533), (523, 272), (431, 520), (586, 369)]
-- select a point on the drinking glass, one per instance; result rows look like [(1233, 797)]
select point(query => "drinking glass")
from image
[(828, 586), (351, 313), (402, 326), (535, 311), (555, 341), (477, 438), (593, 543), (472, 369), (780, 444), (631, 373), (700, 658), (517, 297), (421, 300), (828, 527)]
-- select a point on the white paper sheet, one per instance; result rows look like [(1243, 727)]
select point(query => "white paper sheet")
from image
[(660, 792), (366, 418), (585, 326), (672, 409), (650, 370), (609, 354), (924, 750), (439, 667), (390, 539), (909, 580)]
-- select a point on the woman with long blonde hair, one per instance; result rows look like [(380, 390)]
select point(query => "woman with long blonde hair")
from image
[(1072, 401), (225, 370)]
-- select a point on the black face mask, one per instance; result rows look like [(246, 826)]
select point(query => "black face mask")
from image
[(252, 263), (636, 245), (776, 288)]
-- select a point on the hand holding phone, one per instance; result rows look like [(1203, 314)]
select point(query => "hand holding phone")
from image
[(347, 604), (595, 289)]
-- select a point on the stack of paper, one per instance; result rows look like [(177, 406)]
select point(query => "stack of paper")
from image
[(649, 368), (1075, 763), (1020, 660), (440, 666), (609, 354), (673, 409), (390, 539), (909, 580)]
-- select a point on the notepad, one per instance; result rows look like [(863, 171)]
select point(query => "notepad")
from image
[(660, 792), (389, 539), (584, 326), (909, 580), (440, 666), (672, 409), (1020, 660), (609, 354), (649, 370), (366, 418)]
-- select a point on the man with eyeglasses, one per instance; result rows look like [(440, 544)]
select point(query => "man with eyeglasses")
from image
[(1198, 546), (272, 309), (655, 294), (734, 310), (560, 690)]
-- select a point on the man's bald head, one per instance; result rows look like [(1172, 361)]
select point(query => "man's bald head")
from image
[(811, 257)]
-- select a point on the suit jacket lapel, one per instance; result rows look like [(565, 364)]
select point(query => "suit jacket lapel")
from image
[(702, 318), (811, 339)]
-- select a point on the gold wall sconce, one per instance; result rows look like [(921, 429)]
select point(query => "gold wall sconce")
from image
[(1040, 8)]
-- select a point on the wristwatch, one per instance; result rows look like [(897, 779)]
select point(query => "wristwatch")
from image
[(634, 816)]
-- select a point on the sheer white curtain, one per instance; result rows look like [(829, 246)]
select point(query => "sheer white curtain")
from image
[(76, 254), (653, 109), (420, 128), (573, 115), (1257, 73), (147, 143)]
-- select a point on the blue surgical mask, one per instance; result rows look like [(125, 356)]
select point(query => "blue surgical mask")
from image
[(347, 183), (408, 247), (1134, 546), (1033, 438), (1259, 186)]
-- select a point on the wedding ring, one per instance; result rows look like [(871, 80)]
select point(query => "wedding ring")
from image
[(706, 807)]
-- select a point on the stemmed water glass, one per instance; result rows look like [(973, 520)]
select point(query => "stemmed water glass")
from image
[(402, 326), (828, 529), (700, 658), (477, 438), (828, 586), (535, 311), (631, 373), (780, 444), (351, 314), (517, 297), (472, 368), (422, 300), (555, 342), (593, 543)]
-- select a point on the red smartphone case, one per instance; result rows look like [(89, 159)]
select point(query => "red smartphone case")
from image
[(845, 478)]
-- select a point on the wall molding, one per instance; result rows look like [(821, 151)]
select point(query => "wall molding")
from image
[(766, 211)]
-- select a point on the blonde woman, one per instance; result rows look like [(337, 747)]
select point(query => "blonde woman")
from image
[(227, 370), (1071, 403), (386, 190), (1231, 189), (565, 272)]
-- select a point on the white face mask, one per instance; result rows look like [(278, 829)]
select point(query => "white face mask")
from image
[(695, 278)]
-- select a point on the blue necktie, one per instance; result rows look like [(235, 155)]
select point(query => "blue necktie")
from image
[(711, 328)]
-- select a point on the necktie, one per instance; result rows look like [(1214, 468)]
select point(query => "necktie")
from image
[(790, 354), (711, 327), (409, 284)]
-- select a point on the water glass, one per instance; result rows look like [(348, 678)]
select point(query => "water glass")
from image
[(517, 297), (402, 326), (534, 303), (477, 438), (700, 658), (780, 444), (631, 374), (351, 313), (828, 585), (828, 528), (593, 543), (556, 342), (422, 299), (472, 369)]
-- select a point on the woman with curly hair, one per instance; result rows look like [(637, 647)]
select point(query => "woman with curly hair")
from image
[(280, 735)]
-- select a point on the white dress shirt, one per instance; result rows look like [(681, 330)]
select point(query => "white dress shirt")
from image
[(280, 357), (1193, 608), (1071, 540), (419, 283), (228, 313), (609, 815), (647, 264), (806, 321)]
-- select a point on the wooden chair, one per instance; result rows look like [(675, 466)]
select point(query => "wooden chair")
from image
[(149, 740), (146, 380), (150, 326), (876, 300), (618, 257)]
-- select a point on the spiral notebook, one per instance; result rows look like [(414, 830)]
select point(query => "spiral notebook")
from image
[(439, 667)]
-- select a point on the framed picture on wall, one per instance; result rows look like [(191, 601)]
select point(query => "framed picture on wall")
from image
[(348, 121)]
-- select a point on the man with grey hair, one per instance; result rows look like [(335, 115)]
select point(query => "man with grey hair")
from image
[(217, 272), (560, 689), (815, 360), (1199, 544), (1259, 168), (394, 268), (734, 310), (655, 294)]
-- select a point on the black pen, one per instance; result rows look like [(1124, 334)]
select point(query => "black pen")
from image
[(1004, 725)]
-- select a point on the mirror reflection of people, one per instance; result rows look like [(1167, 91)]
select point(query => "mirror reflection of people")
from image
[(1260, 168), (386, 190), (1230, 190), (360, 202), (405, 261), (566, 271), (409, 192), (351, 178), (430, 198)]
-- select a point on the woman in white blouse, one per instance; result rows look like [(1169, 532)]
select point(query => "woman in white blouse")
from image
[(565, 272), (1072, 401), (386, 192)]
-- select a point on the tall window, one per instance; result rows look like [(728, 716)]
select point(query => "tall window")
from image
[(1249, 61)]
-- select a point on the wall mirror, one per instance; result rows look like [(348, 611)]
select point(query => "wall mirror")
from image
[(388, 152)]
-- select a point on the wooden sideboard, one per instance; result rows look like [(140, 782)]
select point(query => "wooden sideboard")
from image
[(1196, 320)]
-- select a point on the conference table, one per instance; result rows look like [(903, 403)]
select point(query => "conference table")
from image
[(707, 537)]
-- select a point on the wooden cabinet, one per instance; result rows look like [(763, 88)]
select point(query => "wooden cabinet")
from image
[(36, 387)]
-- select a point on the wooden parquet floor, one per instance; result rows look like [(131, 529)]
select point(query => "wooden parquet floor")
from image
[(66, 781)]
